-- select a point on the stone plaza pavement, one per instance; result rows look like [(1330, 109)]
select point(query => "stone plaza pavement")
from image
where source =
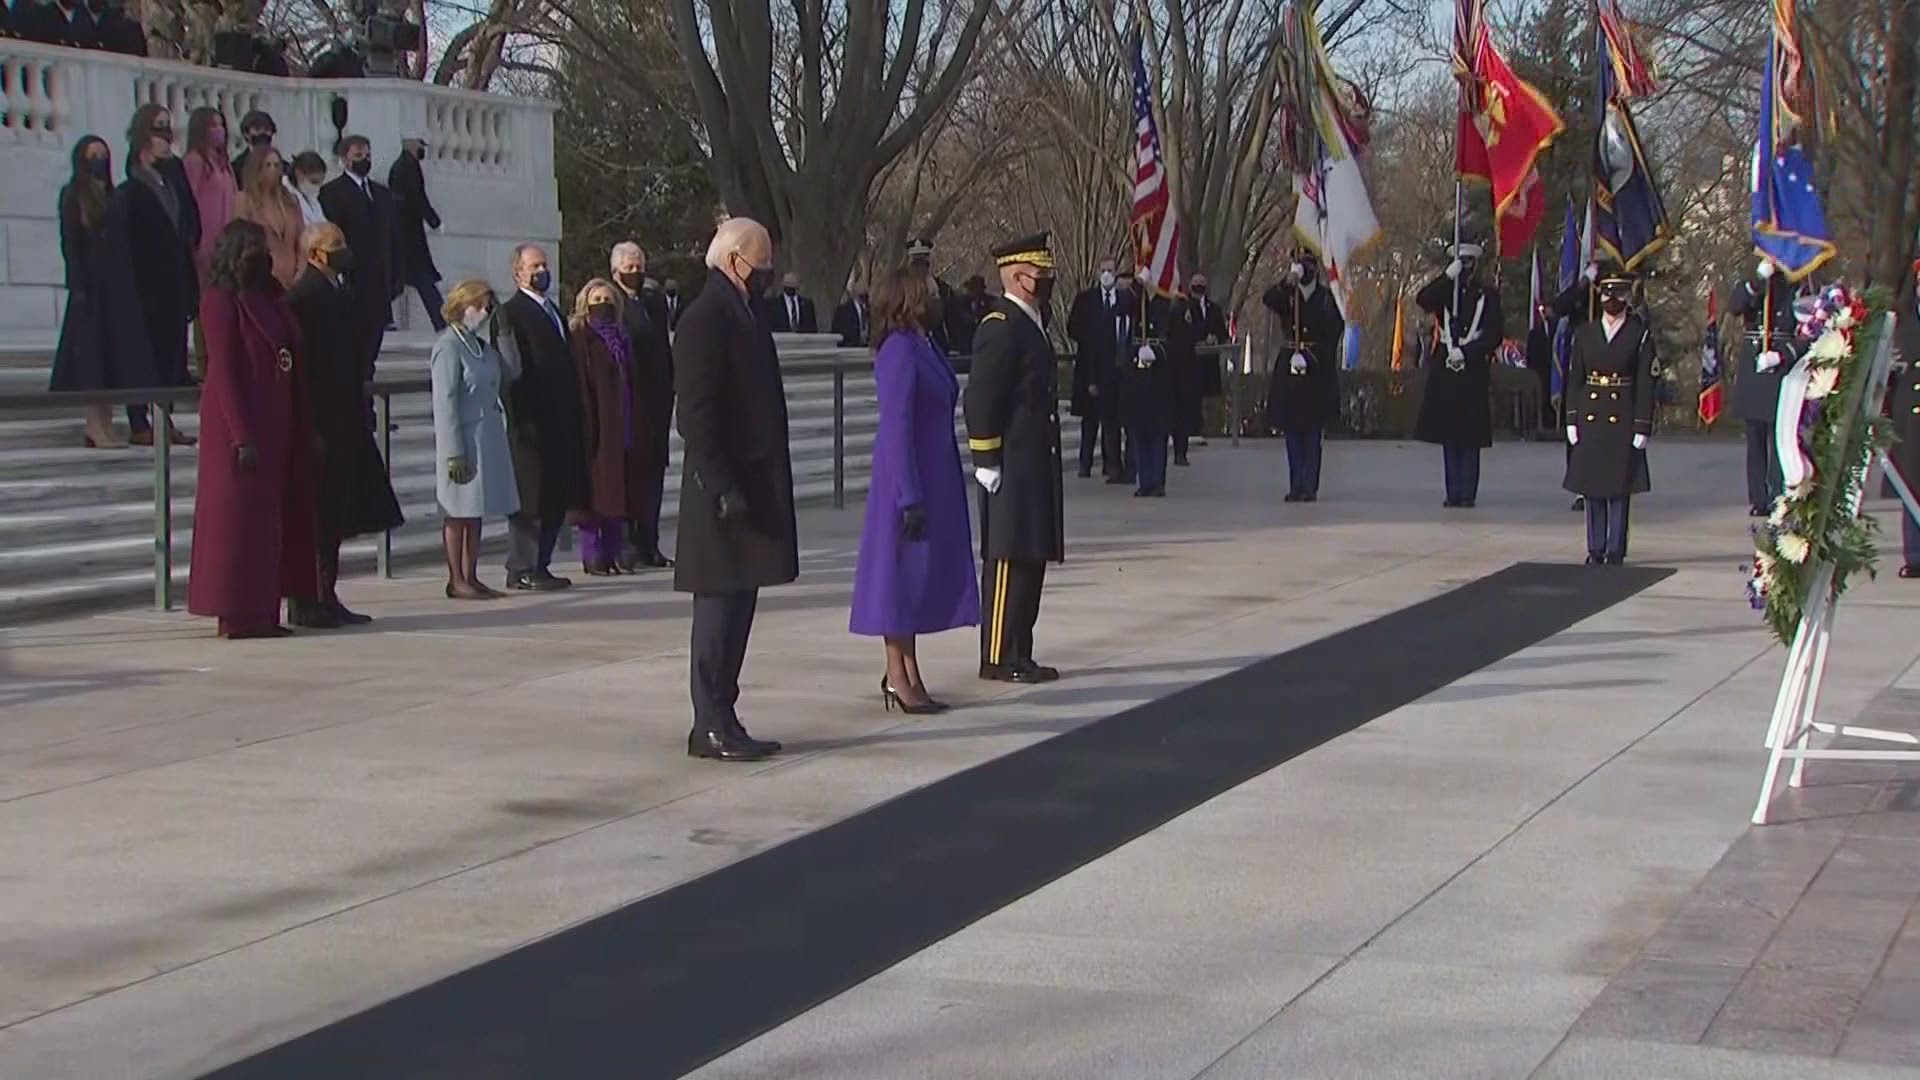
[(1544, 869)]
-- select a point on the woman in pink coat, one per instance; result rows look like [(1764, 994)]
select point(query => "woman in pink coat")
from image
[(215, 194), (254, 520)]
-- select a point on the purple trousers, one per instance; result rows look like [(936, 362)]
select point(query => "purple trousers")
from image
[(600, 540)]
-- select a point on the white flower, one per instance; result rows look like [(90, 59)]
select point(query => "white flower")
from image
[(1802, 489), (1831, 345), (1843, 320), (1793, 547), (1763, 566), (1780, 510), (1822, 381)]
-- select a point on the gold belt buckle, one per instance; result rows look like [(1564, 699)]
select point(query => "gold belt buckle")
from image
[(286, 360)]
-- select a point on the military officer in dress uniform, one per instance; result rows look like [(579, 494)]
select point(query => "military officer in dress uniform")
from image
[(1906, 419), (1576, 304), (1609, 395), (1013, 430), (1303, 393), (1767, 352), (1455, 411), (920, 256)]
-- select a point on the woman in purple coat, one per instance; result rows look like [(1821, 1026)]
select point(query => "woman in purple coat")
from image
[(916, 572)]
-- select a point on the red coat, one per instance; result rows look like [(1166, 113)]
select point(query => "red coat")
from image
[(611, 418), (253, 532)]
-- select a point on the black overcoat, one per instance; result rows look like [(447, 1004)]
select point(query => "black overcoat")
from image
[(1311, 324), (1906, 394), (354, 496), (158, 251), (83, 360), (1609, 392), (1013, 424), (543, 412), (1456, 410), (368, 221), (413, 214), (1756, 393), (1092, 328), (1147, 388), (733, 433)]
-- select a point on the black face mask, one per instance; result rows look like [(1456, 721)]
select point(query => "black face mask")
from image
[(1613, 305), (1042, 293), (256, 267), (340, 260), (601, 313), (542, 280), (673, 292), (420, 153), (100, 169), (362, 168), (260, 138), (630, 282), (759, 279), (1199, 292)]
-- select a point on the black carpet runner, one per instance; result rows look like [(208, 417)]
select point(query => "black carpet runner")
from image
[(669, 982)]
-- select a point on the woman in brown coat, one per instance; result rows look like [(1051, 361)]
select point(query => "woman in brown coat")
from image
[(265, 201), (610, 415)]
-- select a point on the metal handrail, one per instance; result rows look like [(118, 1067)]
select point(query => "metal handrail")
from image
[(164, 399)]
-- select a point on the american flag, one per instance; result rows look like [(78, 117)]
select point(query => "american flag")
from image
[(1156, 227)]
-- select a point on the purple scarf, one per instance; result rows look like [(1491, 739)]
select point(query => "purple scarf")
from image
[(614, 336)]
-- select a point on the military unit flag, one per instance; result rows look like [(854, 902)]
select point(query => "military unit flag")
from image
[(1515, 125), (1789, 223), (1712, 394), (1630, 219)]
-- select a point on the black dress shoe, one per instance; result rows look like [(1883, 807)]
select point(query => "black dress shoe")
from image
[(1616, 560), (515, 583), (547, 581), (1182, 462), (311, 616), (1117, 479), (603, 569), (1086, 474), (1310, 497), (349, 617), (1466, 504), (1039, 672), (766, 746), (1291, 496), (717, 746), (1596, 560), (656, 560), (1451, 503), (1013, 673)]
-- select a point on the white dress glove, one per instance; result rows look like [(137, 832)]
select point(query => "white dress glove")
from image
[(1573, 435), (1765, 269), (1639, 442), (1298, 364), (1766, 361), (1453, 270), (989, 479), (1144, 358), (1295, 272)]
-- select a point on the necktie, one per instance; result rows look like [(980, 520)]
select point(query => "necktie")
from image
[(862, 310), (793, 313), (553, 313)]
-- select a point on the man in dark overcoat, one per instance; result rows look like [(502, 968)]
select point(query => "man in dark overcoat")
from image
[(543, 424), (363, 208), (852, 320), (1101, 326), (1455, 411), (413, 216), (1198, 320), (645, 313), (1906, 419), (1013, 432), (353, 494), (737, 529), (1767, 352), (1609, 413), (1303, 392)]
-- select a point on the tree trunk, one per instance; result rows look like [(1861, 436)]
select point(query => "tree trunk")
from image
[(1892, 233)]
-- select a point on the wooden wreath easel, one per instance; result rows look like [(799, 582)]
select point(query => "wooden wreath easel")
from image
[(1796, 706)]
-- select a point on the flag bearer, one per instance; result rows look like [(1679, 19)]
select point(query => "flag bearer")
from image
[(1455, 411)]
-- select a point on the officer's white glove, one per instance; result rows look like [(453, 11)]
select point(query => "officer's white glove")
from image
[(1591, 273), (1573, 435), (1453, 270), (1298, 364), (1765, 269), (1144, 357), (989, 479), (1456, 360), (1639, 442), (1766, 361), (1295, 271)]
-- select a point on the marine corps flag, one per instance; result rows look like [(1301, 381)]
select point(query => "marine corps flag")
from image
[(1629, 218), (1516, 125), (1469, 148)]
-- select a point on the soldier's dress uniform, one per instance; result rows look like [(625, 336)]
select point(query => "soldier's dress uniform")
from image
[(1906, 423), (1455, 410), (1609, 401), (1302, 400), (1013, 426), (1756, 393)]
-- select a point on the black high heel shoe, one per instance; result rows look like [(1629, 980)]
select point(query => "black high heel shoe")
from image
[(892, 699)]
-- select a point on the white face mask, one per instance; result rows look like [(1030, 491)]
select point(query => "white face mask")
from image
[(474, 319), (1106, 279), (310, 189)]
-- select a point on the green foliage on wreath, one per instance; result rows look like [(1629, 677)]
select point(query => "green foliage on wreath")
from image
[(1818, 525)]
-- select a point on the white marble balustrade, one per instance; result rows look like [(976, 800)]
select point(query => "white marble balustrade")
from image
[(489, 167)]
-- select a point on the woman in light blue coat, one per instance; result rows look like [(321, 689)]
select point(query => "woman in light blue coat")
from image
[(475, 463)]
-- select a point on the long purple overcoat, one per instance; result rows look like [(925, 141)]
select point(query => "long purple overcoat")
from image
[(903, 587)]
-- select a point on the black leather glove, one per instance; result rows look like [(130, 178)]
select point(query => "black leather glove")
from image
[(731, 506), (913, 521), (246, 457)]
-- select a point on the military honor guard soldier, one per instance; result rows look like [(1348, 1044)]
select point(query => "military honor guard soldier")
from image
[(1609, 413), (1303, 393), (1768, 351), (1455, 411), (1013, 431)]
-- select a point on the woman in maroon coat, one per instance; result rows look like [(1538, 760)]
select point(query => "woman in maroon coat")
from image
[(610, 418), (253, 514)]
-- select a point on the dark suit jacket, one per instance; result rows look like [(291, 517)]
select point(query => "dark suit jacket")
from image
[(48, 25), (413, 212), (367, 219), (1097, 349), (119, 34), (543, 410), (645, 317), (778, 318), (733, 430), (852, 321)]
